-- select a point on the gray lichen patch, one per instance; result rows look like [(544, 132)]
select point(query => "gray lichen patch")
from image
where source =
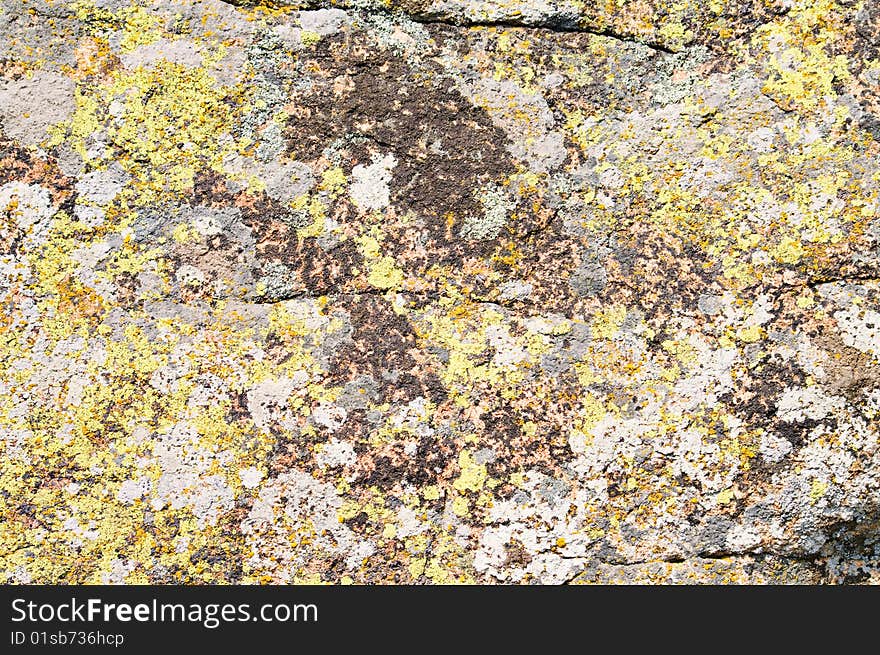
[(496, 212)]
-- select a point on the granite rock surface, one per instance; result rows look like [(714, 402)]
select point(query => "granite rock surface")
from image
[(438, 291)]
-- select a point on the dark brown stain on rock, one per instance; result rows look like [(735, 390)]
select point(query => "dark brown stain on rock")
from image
[(446, 147), (380, 347)]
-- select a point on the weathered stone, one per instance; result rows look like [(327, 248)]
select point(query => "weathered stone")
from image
[(439, 291)]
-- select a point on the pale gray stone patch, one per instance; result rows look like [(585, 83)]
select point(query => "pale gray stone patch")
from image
[(208, 390), (336, 453), (797, 404), (289, 35), (213, 19), (329, 416), (24, 35), (706, 177), (539, 520), (179, 51), (761, 139), (523, 12), (90, 258), (69, 160), (516, 290), (119, 571), (323, 21), (553, 80), (774, 449), (132, 490), (409, 523), (358, 393), (267, 401), (166, 379), (212, 498), (250, 477), (709, 304), (89, 215), (20, 575), (189, 275), (484, 456), (284, 180), (590, 277), (211, 221), (232, 68), (185, 482), (29, 205), (29, 106), (370, 186), (102, 186), (860, 329), (548, 151), (287, 502), (507, 353), (536, 142), (742, 538)]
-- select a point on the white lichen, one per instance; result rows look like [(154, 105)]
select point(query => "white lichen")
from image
[(369, 189)]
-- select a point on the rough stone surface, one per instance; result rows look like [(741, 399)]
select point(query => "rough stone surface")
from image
[(433, 291)]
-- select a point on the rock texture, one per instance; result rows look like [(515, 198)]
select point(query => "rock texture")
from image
[(415, 291)]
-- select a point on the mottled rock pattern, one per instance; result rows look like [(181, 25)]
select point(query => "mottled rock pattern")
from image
[(433, 291)]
